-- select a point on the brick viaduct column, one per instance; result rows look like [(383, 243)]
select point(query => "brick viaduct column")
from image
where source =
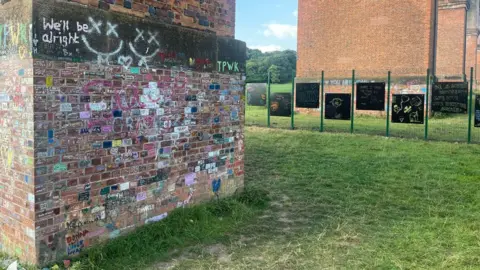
[(112, 115)]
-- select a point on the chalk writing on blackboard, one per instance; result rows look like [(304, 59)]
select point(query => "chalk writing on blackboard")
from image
[(308, 95), (280, 104), (408, 109), (338, 106), (450, 97), (371, 96), (257, 94), (477, 111)]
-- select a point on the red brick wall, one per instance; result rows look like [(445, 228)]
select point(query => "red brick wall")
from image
[(471, 53), (17, 227), (370, 36), (212, 15), (451, 41), (116, 120), (477, 71), (124, 166)]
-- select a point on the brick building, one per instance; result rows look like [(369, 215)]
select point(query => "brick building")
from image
[(113, 113), (401, 36), (406, 37)]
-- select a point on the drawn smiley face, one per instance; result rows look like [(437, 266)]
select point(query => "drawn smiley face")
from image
[(147, 41), (95, 31), (337, 102)]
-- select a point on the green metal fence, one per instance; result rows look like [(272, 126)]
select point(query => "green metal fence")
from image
[(436, 126)]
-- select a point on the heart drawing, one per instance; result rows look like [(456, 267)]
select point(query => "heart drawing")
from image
[(125, 61)]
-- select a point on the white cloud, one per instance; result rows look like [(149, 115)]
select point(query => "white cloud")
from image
[(295, 13), (280, 30), (266, 48)]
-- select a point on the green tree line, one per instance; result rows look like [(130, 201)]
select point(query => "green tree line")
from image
[(281, 64)]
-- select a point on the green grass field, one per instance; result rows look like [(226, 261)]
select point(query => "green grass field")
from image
[(281, 88), (336, 201)]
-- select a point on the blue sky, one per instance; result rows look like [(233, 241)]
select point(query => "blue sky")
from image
[(267, 25)]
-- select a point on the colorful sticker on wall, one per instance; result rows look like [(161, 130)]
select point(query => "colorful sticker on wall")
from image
[(59, 167), (190, 179), (156, 218), (49, 81)]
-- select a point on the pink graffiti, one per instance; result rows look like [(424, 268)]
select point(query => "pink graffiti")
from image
[(87, 86), (145, 123), (136, 103)]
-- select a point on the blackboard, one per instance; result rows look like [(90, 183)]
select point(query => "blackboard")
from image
[(308, 95), (280, 104), (257, 94), (477, 111), (338, 106), (408, 109), (371, 96), (450, 97)]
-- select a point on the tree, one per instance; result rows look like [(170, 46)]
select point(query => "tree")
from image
[(274, 74), (258, 65)]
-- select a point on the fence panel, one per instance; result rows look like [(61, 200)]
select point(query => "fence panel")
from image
[(449, 109), (371, 88), (352, 103)]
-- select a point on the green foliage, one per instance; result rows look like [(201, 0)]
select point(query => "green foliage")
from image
[(259, 63), (274, 74)]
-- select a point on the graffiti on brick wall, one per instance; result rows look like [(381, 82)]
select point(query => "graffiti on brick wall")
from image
[(15, 40), (17, 234), (129, 145), (85, 35)]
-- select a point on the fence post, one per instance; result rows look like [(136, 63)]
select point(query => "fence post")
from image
[(470, 107), (292, 119), (388, 105), (268, 100), (427, 103), (352, 109), (322, 101)]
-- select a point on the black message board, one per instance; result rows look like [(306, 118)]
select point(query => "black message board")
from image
[(257, 94), (477, 111), (338, 106), (450, 97), (371, 96), (408, 109), (280, 104), (308, 95)]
